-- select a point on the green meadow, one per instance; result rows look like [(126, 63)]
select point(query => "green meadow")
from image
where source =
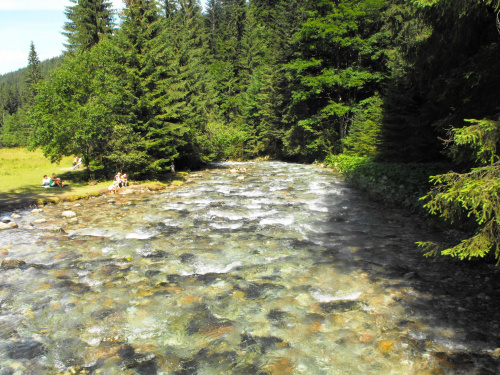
[(21, 173)]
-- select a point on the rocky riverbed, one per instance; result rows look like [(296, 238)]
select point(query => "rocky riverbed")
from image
[(250, 268)]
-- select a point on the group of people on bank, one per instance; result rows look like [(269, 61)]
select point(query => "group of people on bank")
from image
[(120, 180), (52, 181)]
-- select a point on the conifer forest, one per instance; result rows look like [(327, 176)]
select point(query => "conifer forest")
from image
[(404, 89)]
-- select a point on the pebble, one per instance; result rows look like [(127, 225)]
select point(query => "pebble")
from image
[(36, 211), (68, 214), (15, 216)]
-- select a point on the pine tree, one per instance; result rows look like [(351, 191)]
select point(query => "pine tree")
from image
[(89, 21), (33, 74), (474, 193)]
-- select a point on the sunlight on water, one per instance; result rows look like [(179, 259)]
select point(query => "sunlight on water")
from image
[(253, 268)]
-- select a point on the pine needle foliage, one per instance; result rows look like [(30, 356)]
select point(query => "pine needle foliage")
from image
[(475, 194)]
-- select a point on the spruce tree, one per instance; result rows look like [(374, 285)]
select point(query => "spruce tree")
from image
[(88, 21), (33, 74), (339, 61)]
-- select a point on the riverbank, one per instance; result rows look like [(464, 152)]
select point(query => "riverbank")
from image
[(19, 201), (21, 173)]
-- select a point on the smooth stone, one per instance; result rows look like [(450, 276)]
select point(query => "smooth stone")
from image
[(13, 225), (126, 192), (36, 211), (12, 264), (15, 216), (73, 220), (39, 221), (4, 226), (5, 220), (68, 214)]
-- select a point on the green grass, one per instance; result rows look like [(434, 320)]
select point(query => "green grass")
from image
[(21, 173)]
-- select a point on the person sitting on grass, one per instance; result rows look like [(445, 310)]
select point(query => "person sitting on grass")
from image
[(124, 180), (46, 181), (56, 181)]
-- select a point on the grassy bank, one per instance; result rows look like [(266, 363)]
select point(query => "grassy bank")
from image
[(21, 173), (396, 184)]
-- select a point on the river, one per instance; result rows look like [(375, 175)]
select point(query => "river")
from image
[(249, 268)]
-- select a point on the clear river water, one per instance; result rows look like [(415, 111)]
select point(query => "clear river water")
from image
[(248, 268)]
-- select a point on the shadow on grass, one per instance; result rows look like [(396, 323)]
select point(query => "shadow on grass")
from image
[(76, 186)]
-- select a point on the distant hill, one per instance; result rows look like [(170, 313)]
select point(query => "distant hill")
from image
[(12, 86)]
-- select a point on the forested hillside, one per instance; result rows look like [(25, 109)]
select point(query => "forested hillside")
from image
[(298, 80), (14, 129)]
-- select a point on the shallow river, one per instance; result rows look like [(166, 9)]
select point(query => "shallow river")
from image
[(250, 268)]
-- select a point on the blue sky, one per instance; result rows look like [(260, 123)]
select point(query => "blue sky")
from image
[(40, 21)]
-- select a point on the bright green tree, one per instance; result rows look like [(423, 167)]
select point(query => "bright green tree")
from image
[(77, 109)]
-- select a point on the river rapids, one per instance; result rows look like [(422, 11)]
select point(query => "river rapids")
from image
[(249, 268)]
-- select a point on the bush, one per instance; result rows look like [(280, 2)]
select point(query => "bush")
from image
[(396, 184)]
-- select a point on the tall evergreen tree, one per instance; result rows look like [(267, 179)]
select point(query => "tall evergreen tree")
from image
[(88, 21), (33, 74), (339, 62)]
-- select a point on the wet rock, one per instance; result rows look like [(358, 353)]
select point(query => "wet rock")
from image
[(103, 313), (189, 367), (155, 254), (15, 216), (68, 352), (385, 346), (73, 220), (13, 264), (174, 278), (205, 321), (127, 192), (276, 315), (151, 273), (25, 349), (337, 219), (58, 230), (36, 211), (5, 220), (208, 278), (68, 214), (78, 288), (366, 338), (340, 306), (186, 257), (40, 221), (410, 275), (496, 353), (4, 226)]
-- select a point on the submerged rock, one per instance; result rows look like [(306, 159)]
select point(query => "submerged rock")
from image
[(27, 349), (12, 264), (68, 214)]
